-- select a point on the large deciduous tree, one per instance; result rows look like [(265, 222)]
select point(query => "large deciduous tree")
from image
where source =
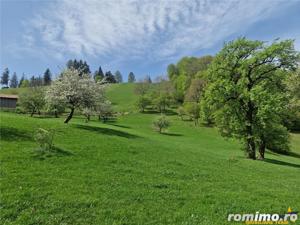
[(246, 91), (74, 91)]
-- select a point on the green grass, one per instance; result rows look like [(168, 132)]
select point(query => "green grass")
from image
[(125, 173), (12, 91), (122, 97)]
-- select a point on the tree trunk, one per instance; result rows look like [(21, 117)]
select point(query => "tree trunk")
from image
[(70, 115), (249, 132), (55, 114), (262, 149), (31, 115), (251, 148)]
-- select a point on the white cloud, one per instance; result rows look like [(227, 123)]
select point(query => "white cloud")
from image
[(146, 29)]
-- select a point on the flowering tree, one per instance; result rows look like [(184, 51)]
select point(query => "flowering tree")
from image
[(74, 91)]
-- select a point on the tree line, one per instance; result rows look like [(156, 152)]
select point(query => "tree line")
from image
[(80, 65)]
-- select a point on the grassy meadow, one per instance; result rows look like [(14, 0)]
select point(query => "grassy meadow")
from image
[(123, 172)]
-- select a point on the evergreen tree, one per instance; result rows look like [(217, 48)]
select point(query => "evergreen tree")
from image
[(109, 78), (22, 80), (47, 77), (98, 75), (14, 81), (5, 77), (118, 76), (81, 66), (131, 77)]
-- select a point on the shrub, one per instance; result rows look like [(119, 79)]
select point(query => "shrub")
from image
[(44, 139), (161, 123)]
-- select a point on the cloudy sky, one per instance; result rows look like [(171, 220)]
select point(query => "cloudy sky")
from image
[(142, 36)]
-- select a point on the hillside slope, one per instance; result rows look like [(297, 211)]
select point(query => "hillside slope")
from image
[(123, 172)]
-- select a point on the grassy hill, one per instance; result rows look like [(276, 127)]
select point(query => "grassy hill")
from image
[(125, 173)]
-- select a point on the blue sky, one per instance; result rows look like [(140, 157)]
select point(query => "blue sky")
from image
[(142, 36)]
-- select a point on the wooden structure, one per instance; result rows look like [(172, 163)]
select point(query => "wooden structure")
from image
[(8, 101)]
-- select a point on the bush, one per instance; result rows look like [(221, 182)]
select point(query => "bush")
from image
[(44, 139), (161, 123)]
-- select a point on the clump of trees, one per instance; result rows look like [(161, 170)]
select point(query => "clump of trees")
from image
[(246, 93), (158, 96), (34, 81), (182, 74)]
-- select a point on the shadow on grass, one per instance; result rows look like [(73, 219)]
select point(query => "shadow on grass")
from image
[(278, 162), (293, 154), (172, 134), (107, 131), (54, 152), (112, 123), (166, 112), (13, 134)]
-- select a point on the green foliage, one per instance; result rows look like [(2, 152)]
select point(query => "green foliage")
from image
[(245, 87), (181, 112), (161, 123), (32, 100), (277, 139), (193, 110), (162, 102), (142, 88), (143, 102), (292, 119), (195, 91), (182, 74), (44, 139), (24, 83)]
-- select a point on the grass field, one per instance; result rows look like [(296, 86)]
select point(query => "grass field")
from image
[(125, 173)]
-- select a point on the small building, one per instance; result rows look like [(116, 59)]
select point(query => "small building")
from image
[(8, 101)]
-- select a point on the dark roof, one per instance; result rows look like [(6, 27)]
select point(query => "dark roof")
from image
[(9, 96)]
